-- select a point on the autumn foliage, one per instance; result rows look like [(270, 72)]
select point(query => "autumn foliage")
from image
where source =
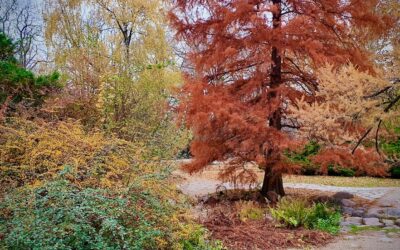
[(251, 59)]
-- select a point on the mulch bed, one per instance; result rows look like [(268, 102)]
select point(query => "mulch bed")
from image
[(221, 219), (259, 234)]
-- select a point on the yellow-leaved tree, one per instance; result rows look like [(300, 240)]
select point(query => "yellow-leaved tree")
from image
[(118, 66)]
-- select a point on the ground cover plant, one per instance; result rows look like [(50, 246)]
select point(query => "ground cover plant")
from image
[(295, 213)]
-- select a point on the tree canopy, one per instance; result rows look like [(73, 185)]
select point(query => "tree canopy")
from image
[(252, 59)]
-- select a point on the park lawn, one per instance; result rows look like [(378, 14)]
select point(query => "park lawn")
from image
[(343, 181)]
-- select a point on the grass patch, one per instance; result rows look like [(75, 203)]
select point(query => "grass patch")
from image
[(359, 229), (343, 181)]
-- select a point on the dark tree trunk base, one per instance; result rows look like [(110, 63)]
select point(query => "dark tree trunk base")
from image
[(272, 182)]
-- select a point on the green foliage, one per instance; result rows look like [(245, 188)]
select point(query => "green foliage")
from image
[(7, 48), (392, 150), (195, 240), (395, 172), (324, 218), (295, 213), (250, 211), (303, 157), (340, 171), (60, 215), (20, 84), (291, 212)]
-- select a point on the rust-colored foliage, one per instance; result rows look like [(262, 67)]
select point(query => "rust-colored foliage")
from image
[(251, 58), (363, 161)]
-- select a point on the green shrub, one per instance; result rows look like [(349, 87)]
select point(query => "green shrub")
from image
[(64, 188), (340, 171), (298, 213), (62, 215), (20, 84), (249, 210), (302, 158), (291, 212), (395, 172), (324, 218)]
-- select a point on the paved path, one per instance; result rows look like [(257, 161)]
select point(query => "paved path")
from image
[(366, 241), (367, 193), (199, 186)]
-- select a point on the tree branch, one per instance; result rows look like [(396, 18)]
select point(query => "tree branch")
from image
[(377, 135), (361, 139)]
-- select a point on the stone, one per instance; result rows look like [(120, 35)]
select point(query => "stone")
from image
[(388, 222), (393, 212), (358, 213), (354, 220), (268, 217), (397, 222), (345, 229), (323, 199), (347, 210), (347, 203), (342, 195), (371, 222), (385, 204), (387, 240), (344, 224), (374, 213)]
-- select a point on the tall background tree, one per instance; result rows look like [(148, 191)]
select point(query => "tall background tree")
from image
[(117, 64), (21, 20), (251, 60)]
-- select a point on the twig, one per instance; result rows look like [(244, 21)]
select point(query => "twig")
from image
[(361, 139)]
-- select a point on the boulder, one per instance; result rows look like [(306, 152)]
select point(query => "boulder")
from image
[(342, 195), (374, 213), (397, 222), (347, 210), (322, 199), (372, 222), (388, 223), (354, 220), (393, 212), (347, 203), (386, 204), (358, 212)]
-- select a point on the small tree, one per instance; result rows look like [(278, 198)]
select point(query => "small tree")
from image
[(19, 85), (251, 59)]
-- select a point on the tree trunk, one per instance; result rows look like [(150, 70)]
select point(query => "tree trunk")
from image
[(273, 181)]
